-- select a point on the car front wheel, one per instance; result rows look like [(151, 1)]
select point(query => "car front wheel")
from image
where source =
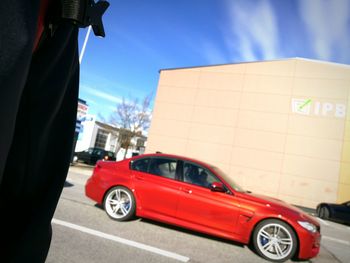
[(119, 203), (274, 240)]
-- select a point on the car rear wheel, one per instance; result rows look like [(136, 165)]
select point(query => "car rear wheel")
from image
[(275, 240), (323, 212), (119, 203)]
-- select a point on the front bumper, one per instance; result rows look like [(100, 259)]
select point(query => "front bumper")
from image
[(309, 244)]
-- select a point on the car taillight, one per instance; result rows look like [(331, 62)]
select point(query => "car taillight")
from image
[(96, 168)]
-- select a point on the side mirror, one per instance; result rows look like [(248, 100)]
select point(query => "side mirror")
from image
[(217, 187)]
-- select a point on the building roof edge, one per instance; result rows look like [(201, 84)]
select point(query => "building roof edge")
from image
[(259, 61)]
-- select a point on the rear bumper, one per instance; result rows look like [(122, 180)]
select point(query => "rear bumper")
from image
[(94, 190)]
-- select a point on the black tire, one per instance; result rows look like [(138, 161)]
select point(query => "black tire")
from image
[(275, 240), (324, 212), (119, 203)]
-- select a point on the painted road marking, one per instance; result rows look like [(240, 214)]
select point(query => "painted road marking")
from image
[(122, 240), (336, 240), (322, 221)]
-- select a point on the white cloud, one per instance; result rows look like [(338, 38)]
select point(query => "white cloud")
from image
[(92, 78), (247, 52), (253, 30), (212, 53), (112, 108), (327, 22), (91, 102), (101, 94), (141, 46), (202, 46)]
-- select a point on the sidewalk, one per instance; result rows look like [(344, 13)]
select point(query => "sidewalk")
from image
[(81, 168), (325, 256)]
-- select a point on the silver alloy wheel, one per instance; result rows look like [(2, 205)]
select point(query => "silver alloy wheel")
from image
[(275, 241), (118, 203)]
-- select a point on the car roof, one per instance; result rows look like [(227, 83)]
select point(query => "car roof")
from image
[(172, 156)]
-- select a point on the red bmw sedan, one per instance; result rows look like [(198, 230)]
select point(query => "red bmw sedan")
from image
[(198, 196)]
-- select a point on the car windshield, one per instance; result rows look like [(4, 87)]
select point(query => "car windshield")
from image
[(228, 179)]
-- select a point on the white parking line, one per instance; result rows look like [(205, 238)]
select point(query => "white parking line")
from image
[(122, 240), (336, 240), (322, 221)]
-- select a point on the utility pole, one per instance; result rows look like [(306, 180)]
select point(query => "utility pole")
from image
[(84, 45)]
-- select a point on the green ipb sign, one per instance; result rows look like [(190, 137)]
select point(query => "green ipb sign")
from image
[(311, 107)]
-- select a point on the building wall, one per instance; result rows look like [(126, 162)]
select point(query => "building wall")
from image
[(278, 127), (344, 180), (87, 137)]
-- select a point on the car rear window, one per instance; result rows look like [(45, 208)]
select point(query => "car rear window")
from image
[(140, 165)]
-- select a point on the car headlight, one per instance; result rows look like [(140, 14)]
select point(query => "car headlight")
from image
[(308, 226)]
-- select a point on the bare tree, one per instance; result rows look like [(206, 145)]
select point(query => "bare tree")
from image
[(132, 118)]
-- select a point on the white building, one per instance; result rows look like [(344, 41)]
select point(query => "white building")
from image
[(105, 136)]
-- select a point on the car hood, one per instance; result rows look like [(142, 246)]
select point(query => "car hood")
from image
[(282, 207)]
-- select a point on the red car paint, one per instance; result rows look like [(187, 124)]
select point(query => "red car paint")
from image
[(231, 216)]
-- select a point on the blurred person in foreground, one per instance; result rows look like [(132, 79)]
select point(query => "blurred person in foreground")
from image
[(39, 82)]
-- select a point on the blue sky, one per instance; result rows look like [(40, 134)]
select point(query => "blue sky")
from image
[(144, 36)]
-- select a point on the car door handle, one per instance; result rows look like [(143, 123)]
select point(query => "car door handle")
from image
[(186, 190), (139, 177)]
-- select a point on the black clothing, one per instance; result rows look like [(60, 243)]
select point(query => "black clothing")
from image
[(38, 103)]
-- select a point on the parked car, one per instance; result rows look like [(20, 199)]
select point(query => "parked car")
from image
[(198, 196), (92, 155), (335, 212)]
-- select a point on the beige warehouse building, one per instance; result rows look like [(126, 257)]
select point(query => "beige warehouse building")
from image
[(280, 128)]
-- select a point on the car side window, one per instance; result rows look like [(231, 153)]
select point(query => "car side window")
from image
[(165, 167), (140, 165), (98, 152), (195, 174)]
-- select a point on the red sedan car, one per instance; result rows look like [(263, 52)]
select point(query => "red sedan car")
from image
[(198, 196)]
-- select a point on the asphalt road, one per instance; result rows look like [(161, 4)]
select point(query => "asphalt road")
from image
[(82, 232)]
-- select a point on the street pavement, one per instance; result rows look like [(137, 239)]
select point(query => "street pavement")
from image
[(82, 232)]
